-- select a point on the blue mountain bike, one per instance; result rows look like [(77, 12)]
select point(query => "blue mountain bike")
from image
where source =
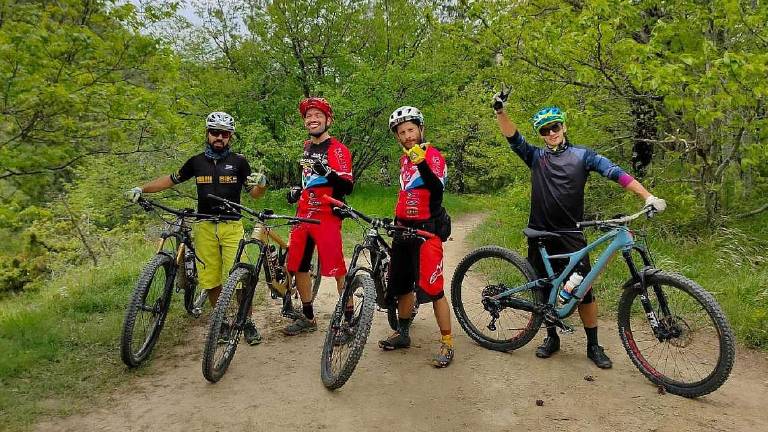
[(672, 329)]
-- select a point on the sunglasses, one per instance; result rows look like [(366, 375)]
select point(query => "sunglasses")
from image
[(547, 129), (220, 133)]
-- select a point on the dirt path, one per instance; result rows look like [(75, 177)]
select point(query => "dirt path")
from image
[(276, 387)]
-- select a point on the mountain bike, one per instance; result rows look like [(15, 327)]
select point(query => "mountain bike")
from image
[(174, 262), (673, 330), (267, 255), (365, 285)]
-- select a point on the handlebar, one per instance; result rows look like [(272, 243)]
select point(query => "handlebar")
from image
[(648, 210), (262, 215), (148, 204), (386, 224)]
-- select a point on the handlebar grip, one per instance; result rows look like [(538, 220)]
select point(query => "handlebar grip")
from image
[(332, 201), (585, 224), (425, 234), (309, 221), (217, 198)]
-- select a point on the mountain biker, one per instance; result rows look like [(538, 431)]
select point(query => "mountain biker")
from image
[(218, 171), (417, 264), (327, 170), (559, 172)]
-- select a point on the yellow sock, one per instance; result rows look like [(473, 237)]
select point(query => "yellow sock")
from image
[(447, 339)]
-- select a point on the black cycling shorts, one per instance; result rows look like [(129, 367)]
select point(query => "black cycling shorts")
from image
[(567, 243), (404, 267)]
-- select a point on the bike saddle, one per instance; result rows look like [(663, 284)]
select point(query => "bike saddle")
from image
[(535, 234)]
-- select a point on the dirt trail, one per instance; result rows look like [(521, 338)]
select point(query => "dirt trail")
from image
[(276, 386)]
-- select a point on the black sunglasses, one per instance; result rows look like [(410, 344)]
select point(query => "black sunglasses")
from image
[(220, 133), (547, 129)]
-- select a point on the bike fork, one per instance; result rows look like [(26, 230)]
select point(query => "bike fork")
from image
[(639, 278)]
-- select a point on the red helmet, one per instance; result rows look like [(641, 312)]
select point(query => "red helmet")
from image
[(315, 102)]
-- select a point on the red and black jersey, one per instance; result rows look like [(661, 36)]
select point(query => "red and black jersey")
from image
[(421, 187), (337, 183), (224, 177)]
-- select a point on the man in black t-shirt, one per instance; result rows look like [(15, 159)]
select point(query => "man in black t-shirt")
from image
[(221, 172), (559, 173)]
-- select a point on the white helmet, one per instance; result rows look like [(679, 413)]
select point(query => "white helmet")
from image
[(404, 114), (220, 120)]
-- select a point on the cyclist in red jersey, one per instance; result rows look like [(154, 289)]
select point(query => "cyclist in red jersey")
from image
[(417, 264), (327, 170)]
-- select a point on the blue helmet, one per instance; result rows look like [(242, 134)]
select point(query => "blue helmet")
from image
[(546, 116)]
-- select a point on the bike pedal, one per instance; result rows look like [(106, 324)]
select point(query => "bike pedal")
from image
[(566, 329)]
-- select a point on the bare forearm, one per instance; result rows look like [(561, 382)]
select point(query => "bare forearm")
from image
[(158, 184), (508, 128), (638, 189)]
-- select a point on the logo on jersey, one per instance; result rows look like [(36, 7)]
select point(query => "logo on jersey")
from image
[(228, 167)]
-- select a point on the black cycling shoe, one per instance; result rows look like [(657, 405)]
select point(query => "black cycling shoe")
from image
[(550, 346), (598, 356), (396, 341)]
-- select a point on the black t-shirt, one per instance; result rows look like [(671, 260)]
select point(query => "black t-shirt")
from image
[(224, 177), (558, 180)]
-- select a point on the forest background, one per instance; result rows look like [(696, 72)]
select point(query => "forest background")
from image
[(98, 96)]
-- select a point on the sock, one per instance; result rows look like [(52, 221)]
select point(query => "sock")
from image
[(447, 339), (404, 325), (552, 332), (591, 336), (348, 312), (308, 310)]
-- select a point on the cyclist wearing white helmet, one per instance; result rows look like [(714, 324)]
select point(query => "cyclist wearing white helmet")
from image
[(218, 171), (417, 265), (559, 173)]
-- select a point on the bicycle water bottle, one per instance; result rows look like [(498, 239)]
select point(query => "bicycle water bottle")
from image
[(570, 286)]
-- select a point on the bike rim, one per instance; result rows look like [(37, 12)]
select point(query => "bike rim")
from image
[(492, 275), (687, 351), (150, 312)]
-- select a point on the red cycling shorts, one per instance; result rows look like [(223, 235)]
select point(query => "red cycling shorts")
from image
[(327, 237)]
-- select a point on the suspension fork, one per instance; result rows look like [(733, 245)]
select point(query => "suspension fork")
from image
[(248, 291), (639, 277)]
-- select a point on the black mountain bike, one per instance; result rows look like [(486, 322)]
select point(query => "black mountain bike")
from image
[(175, 261), (229, 317), (365, 285)]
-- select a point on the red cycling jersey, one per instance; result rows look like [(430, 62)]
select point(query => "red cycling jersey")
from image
[(421, 191), (337, 183)]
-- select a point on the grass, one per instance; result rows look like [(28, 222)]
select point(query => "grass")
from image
[(730, 263), (59, 344)]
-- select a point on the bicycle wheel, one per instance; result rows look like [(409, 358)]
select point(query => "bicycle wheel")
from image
[(147, 310), (345, 341), (693, 352), (488, 271), (223, 333)]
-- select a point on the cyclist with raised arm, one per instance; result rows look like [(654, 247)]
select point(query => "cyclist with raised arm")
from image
[(326, 170), (417, 264), (221, 172), (559, 173)]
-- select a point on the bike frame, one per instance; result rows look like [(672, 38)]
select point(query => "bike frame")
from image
[(621, 239)]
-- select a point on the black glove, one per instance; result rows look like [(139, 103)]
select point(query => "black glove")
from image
[(500, 99), (320, 169), (293, 195)]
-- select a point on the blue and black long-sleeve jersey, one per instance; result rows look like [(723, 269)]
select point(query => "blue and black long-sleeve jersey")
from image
[(558, 180)]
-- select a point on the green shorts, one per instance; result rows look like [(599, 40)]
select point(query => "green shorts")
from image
[(215, 245)]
